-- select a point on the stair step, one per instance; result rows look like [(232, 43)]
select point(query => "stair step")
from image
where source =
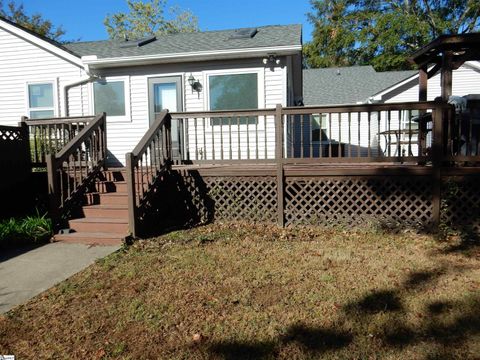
[(110, 186), (106, 211), (91, 238), (99, 224), (113, 174), (106, 198)]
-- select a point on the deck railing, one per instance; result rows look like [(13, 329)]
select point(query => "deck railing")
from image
[(78, 162), (149, 160), (49, 136), (395, 132)]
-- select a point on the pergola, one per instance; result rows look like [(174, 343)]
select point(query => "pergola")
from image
[(446, 53)]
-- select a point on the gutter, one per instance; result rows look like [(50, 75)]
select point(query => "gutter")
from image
[(83, 80), (93, 62)]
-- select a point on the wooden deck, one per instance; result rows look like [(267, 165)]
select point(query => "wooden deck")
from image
[(321, 169)]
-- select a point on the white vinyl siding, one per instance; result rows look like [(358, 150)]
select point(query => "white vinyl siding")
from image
[(22, 62), (123, 137)]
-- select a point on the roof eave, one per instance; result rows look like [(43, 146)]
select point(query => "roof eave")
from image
[(46, 44), (190, 56)]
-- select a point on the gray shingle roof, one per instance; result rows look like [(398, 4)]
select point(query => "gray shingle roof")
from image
[(267, 36), (347, 85)]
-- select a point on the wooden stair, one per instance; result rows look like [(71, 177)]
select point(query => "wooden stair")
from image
[(104, 210)]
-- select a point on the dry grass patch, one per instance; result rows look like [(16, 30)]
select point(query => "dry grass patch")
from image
[(260, 292)]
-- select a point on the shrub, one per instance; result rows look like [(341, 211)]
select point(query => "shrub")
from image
[(29, 230)]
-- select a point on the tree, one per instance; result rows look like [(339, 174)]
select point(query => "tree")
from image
[(147, 18), (16, 13), (383, 33)]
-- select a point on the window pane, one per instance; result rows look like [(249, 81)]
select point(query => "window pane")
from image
[(233, 92), (109, 98), (165, 97), (40, 95), (41, 114)]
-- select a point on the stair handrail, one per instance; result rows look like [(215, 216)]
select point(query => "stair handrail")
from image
[(149, 159), (50, 135), (71, 169)]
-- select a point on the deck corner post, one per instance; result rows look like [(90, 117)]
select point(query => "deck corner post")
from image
[(132, 208), (53, 189), (440, 114), (279, 161)]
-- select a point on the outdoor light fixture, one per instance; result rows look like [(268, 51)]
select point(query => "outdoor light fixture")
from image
[(195, 84), (271, 60)]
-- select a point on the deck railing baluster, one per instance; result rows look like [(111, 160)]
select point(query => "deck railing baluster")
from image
[(359, 124), (248, 137), (330, 135), (369, 120)]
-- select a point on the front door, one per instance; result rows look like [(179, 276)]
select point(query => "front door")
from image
[(166, 93)]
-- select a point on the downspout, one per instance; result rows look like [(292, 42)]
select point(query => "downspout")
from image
[(86, 79)]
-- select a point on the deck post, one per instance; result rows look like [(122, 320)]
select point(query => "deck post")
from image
[(104, 141), (53, 189), (26, 140), (439, 114), (132, 207), (279, 160)]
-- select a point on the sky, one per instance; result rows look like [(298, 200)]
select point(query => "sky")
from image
[(83, 20)]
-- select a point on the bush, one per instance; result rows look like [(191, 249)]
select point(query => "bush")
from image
[(29, 230)]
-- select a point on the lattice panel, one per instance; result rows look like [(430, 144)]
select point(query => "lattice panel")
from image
[(243, 198), (387, 201), (10, 135), (461, 204)]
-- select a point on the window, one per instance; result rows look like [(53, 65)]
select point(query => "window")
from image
[(233, 92), (319, 127), (109, 97), (41, 101)]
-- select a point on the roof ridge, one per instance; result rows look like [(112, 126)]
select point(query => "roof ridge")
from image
[(190, 33)]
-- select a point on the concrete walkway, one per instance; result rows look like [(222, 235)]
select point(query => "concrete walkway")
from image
[(24, 275)]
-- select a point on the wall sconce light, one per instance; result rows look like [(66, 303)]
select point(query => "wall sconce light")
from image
[(271, 60), (195, 84)]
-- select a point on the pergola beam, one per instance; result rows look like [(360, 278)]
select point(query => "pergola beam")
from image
[(448, 53)]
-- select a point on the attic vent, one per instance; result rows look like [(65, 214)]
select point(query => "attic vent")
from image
[(138, 43), (247, 33)]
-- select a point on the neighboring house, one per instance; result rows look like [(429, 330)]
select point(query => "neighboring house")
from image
[(132, 80), (348, 85), (364, 85)]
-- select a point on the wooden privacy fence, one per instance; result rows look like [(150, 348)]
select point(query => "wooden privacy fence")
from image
[(149, 161), (14, 154), (78, 162)]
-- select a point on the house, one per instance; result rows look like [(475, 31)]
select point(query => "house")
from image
[(348, 85), (131, 80), (364, 85)]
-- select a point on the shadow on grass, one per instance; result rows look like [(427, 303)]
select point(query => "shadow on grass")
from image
[(315, 341), (442, 328)]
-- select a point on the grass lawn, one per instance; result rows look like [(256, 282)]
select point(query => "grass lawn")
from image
[(238, 291)]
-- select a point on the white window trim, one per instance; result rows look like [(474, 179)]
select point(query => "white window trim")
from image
[(54, 84), (261, 91), (126, 86)]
